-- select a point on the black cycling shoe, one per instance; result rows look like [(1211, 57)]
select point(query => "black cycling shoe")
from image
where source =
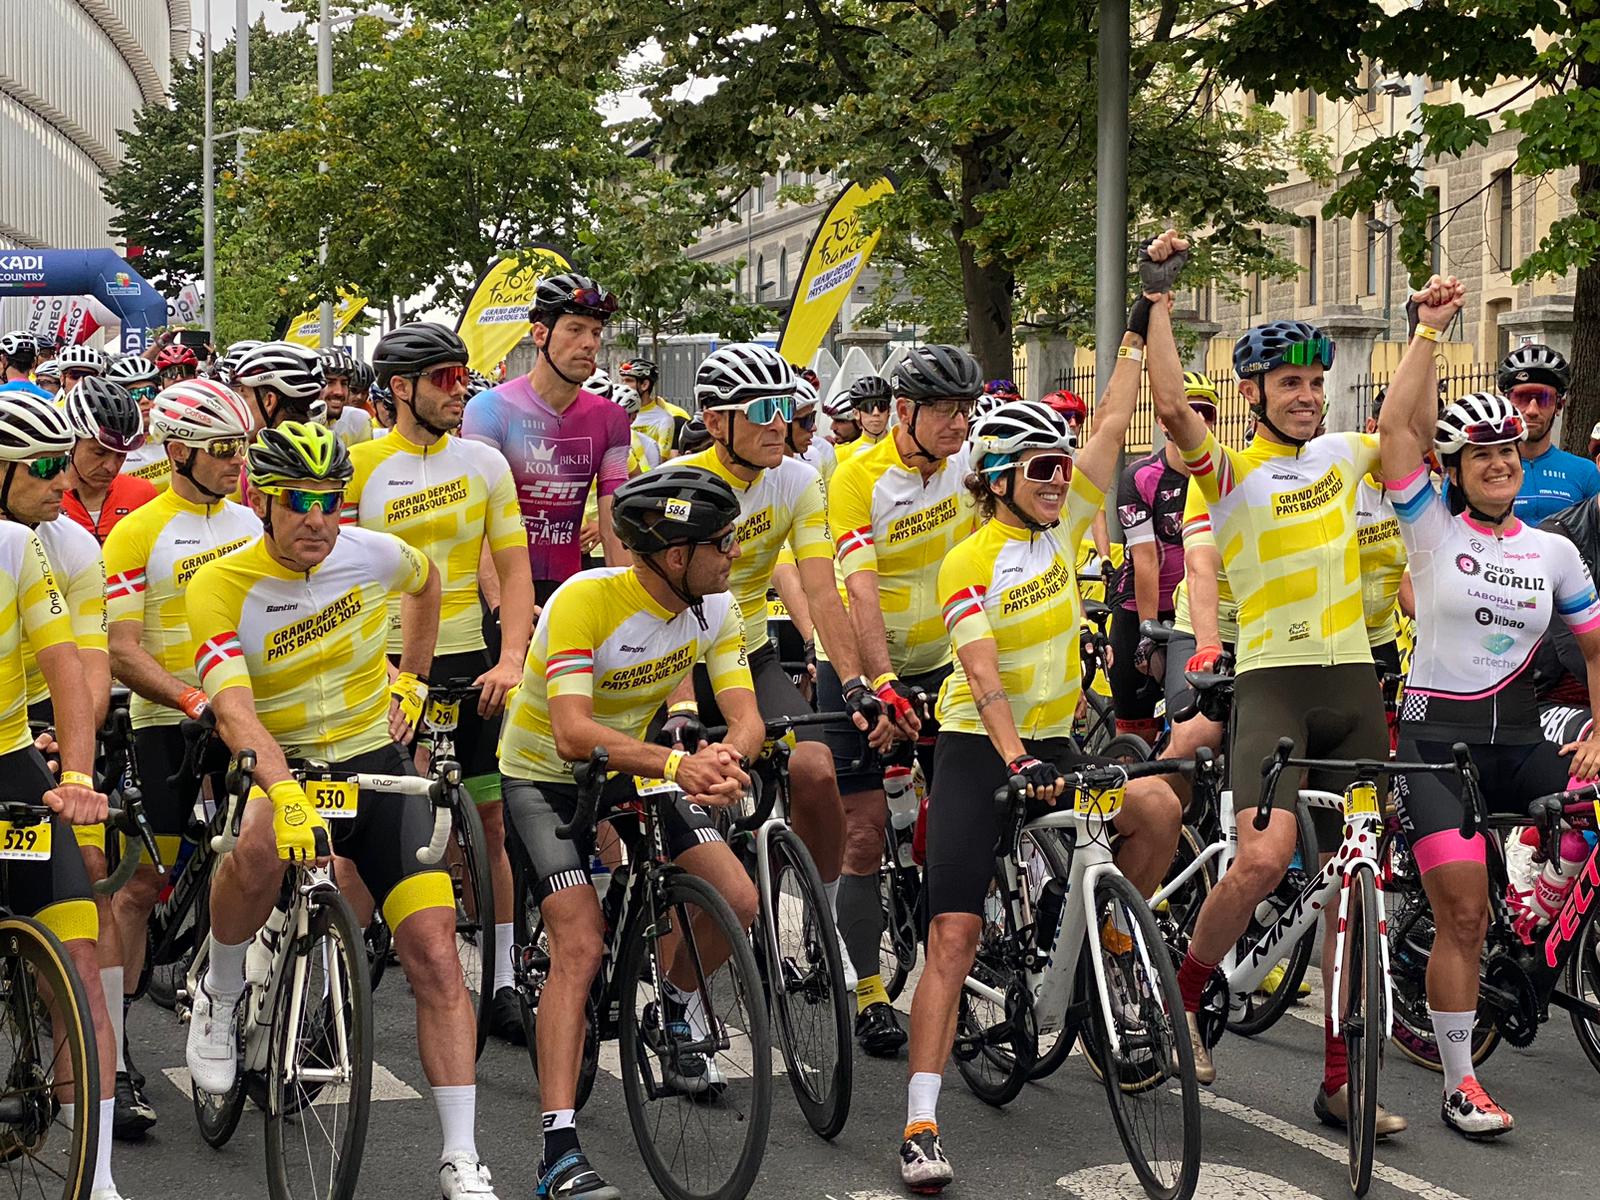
[(572, 1177), (878, 1031), (505, 1017), (132, 1115)]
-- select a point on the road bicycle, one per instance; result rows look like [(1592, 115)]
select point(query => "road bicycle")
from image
[(696, 1067), (1069, 947), (1518, 981), (304, 1023)]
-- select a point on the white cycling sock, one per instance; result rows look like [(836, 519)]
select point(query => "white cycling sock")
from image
[(503, 976), (1453, 1032), (458, 1108), (111, 985), (922, 1098), (831, 891), (102, 1157), (225, 971)]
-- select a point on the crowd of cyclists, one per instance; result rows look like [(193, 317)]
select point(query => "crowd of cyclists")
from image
[(293, 547)]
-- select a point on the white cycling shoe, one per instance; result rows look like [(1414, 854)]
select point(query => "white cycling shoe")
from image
[(212, 1049), (463, 1177)]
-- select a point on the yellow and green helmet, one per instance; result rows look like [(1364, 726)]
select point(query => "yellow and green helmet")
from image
[(298, 451)]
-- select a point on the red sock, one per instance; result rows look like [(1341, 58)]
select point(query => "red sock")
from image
[(1192, 978), (1336, 1060)]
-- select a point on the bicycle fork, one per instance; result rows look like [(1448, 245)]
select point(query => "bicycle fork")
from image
[(1364, 830)]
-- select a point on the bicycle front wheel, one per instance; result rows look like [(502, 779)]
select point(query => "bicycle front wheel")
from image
[(474, 889), (696, 1058), (1583, 981), (805, 978), (897, 949), (1148, 1066), (319, 1070), (997, 1037), (48, 1058), (1262, 1009), (1362, 1023)]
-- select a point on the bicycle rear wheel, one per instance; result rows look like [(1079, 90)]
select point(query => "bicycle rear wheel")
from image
[(1159, 1124), (1362, 1022), (319, 1068), (897, 949), (1100, 722), (697, 1077), (48, 1058), (1262, 1010), (474, 889), (997, 1037)]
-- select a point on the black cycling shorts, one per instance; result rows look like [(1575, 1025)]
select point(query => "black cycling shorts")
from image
[(1180, 649), (55, 892), (383, 838), (1386, 657), (776, 695), (1509, 777), (535, 809), (476, 737), (1133, 693), (158, 752), (964, 821), (858, 769), (1330, 712), (1563, 723)]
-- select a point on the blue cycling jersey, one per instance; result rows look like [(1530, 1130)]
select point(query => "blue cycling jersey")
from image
[(1554, 481)]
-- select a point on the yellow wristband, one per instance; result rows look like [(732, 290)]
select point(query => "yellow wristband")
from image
[(674, 761), (686, 708), (1132, 352), (1429, 332), (886, 677), (76, 779)]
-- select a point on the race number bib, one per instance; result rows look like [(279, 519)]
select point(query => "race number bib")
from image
[(336, 801), (25, 843)]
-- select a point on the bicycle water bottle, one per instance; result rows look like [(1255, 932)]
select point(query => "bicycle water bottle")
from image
[(901, 795), (600, 876), (1559, 874), (258, 958)]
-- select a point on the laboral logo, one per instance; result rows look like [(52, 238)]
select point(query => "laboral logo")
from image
[(122, 284)]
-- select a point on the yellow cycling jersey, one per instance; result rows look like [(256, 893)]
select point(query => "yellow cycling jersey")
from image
[(1285, 521), (602, 636), (782, 504), (657, 425), (31, 605), (309, 645), (150, 462), (824, 457), (444, 500), (1383, 561), (1197, 532), (81, 575), (884, 518), (1019, 589), (151, 558), (640, 454), (866, 441)]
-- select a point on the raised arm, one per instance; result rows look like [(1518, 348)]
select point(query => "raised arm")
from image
[(1410, 408)]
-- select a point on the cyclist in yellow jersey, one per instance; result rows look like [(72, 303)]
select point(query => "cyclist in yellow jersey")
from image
[(611, 645), (896, 509), (780, 504), (1283, 513), (53, 886), (290, 637), (656, 421), (201, 429), (1010, 602), (454, 500), (871, 397)]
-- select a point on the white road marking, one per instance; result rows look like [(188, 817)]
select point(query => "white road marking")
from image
[(1329, 1149), (1116, 1181), (385, 1085)]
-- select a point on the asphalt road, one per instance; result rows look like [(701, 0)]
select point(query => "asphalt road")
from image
[(1056, 1140)]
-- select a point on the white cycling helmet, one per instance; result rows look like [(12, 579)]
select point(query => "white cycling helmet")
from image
[(838, 407), (600, 384), (197, 411), (740, 372), (1481, 419), (235, 353), (805, 395), (627, 397), (292, 371), (133, 370), (1015, 426), (32, 425), (49, 369), (81, 358)]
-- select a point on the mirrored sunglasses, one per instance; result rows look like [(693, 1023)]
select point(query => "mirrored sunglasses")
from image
[(1043, 468), (301, 501)]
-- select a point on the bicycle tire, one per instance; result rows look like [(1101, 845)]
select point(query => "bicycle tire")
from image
[(529, 974), (897, 948), (475, 948), (33, 962), (805, 978), (334, 936), (1263, 1010), (739, 981), (1178, 912), (1583, 981), (1050, 1061), (1100, 722), (1126, 748), (1363, 1015), (1128, 1082), (996, 1046), (218, 1116)]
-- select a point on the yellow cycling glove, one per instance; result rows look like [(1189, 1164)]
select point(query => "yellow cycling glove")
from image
[(301, 834), (412, 694)]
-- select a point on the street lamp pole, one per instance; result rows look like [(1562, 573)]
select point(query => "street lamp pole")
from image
[(208, 173), (324, 88), (241, 68)]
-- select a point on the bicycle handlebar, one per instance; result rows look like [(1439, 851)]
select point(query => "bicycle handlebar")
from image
[(591, 779), (1368, 770), (140, 839), (1110, 775)]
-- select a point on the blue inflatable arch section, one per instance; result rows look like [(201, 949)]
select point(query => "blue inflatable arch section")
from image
[(103, 274)]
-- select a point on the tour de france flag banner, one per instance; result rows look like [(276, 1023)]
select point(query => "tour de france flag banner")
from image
[(497, 317), (837, 256), (306, 329)]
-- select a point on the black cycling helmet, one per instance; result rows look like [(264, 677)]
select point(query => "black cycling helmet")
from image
[(672, 506), (1262, 349), (640, 368), (106, 412), (938, 373), (1534, 363), (362, 377), (869, 388), (415, 347), (693, 437), (569, 292), (337, 364)]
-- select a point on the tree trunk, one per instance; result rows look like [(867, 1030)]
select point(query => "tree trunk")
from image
[(1583, 405), (985, 287)]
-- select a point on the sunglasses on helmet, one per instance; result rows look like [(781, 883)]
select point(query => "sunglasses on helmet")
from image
[(724, 544), (142, 392), (78, 374), (226, 447), (1312, 351), (302, 501), (596, 299), (1207, 410), (808, 422), (1494, 433), (1044, 468), (763, 410), (880, 404), (48, 466), (119, 443)]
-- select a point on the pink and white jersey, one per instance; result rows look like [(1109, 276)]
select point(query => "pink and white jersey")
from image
[(1483, 603)]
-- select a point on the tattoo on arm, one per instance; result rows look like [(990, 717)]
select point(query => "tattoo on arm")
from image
[(989, 698)]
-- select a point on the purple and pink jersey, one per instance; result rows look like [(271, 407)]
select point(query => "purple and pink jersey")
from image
[(1150, 499), (554, 458)]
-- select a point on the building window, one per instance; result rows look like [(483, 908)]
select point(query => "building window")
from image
[(1370, 256), (761, 196), (1308, 108), (783, 271), (1435, 231), (1254, 298), (1503, 219), (761, 275), (1370, 86), (1308, 259)]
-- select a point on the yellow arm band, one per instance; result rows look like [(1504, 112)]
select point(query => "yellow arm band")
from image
[(1429, 332), (674, 761), (76, 779)]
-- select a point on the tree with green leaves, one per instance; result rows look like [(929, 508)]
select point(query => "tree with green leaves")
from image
[(1280, 46), (982, 110)]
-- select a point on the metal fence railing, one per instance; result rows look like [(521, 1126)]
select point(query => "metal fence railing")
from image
[(1454, 382), (1233, 414)]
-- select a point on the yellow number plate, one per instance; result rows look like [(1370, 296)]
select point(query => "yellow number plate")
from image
[(1107, 803), (334, 800), (25, 843), (1361, 800), (444, 717), (654, 787)]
